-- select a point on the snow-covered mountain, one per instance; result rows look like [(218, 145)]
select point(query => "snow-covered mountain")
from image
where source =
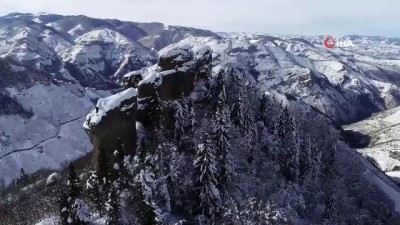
[(52, 69), (345, 84), (80, 57)]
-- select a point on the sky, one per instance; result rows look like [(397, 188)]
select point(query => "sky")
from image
[(309, 17)]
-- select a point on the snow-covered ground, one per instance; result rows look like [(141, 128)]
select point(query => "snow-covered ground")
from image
[(391, 189), (49, 221), (52, 136), (384, 147)]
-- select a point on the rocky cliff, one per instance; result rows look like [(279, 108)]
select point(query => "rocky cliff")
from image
[(177, 73)]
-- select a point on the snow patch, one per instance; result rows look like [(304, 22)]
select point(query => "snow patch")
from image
[(105, 105)]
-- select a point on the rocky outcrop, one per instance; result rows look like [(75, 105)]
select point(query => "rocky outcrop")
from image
[(132, 79), (176, 73), (113, 118)]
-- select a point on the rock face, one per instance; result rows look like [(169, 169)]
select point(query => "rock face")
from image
[(176, 73), (113, 119), (132, 79)]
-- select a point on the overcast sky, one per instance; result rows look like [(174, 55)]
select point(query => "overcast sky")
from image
[(337, 17)]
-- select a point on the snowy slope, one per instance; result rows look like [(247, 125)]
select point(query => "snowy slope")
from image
[(52, 136), (376, 176), (384, 145), (334, 82)]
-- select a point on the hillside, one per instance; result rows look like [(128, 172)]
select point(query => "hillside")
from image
[(383, 144)]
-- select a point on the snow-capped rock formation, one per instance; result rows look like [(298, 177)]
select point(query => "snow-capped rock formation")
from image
[(177, 72), (114, 117)]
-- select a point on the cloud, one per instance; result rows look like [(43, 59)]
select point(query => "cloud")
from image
[(337, 17)]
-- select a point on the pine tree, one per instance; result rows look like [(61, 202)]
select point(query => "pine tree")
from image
[(219, 81), (248, 122), (153, 200), (306, 159), (262, 114), (69, 213), (237, 111), (120, 170), (104, 168), (113, 207), (157, 170), (218, 89), (284, 125), (144, 212), (222, 142), (74, 190), (317, 165), (93, 189), (289, 155), (180, 117), (64, 207), (297, 151), (205, 165), (156, 113), (293, 154), (331, 208), (120, 153), (330, 165), (191, 120), (21, 178), (143, 209)]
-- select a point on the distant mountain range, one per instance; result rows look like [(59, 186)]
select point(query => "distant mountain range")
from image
[(54, 68)]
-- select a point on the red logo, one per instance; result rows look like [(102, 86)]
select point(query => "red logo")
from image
[(329, 42)]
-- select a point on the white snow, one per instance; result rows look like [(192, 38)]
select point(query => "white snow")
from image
[(93, 50), (181, 51), (105, 105), (52, 137), (394, 174), (36, 20), (54, 177), (105, 35), (384, 147), (135, 73), (152, 77), (391, 189), (49, 221), (76, 29)]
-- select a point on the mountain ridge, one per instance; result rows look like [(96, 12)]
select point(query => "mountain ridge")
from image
[(87, 54)]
